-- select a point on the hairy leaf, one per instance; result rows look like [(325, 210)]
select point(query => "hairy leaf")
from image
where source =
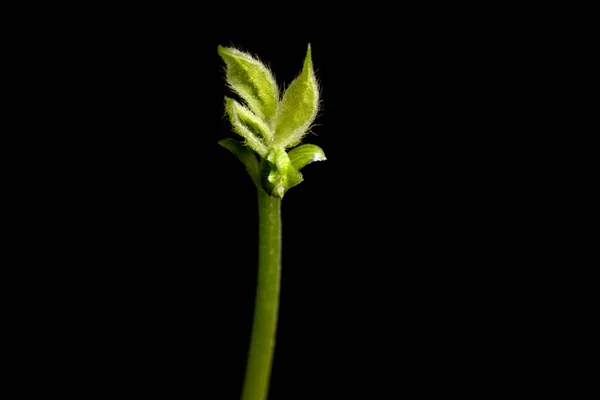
[(252, 81), (247, 125), (299, 106), (252, 122)]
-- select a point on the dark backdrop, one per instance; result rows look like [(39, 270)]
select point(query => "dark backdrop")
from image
[(395, 248)]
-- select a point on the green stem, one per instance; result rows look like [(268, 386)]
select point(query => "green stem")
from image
[(262, 343)]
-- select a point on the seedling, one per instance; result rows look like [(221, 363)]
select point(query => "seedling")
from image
[(269, 124)]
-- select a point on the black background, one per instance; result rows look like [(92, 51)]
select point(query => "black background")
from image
[(397, 249)]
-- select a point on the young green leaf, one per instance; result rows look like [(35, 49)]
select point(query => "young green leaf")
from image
[(299, 106), (247, 125), (305, 154), (252, 122), (278, 173), (252, 81), (280, 163), (246, 156)]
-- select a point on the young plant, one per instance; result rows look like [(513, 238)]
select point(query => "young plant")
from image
[(269, 124)]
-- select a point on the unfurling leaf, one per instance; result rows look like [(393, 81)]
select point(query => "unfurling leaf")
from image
[(252, 122), (299, 106), (252, 81), (305, 154), (278, 174), (247, 125)]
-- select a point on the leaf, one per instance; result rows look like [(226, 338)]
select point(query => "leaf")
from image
[(294, 178), (246, 156), (278, 174), (305, 154), (299, 106), (252, 81), (252, 122), (246, 125)]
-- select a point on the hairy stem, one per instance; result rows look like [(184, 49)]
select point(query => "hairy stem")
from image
[(262, 343)]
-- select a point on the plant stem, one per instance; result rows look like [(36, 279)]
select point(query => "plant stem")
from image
[(262, 343)]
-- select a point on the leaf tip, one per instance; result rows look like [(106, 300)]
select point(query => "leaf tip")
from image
[(308, 59)]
